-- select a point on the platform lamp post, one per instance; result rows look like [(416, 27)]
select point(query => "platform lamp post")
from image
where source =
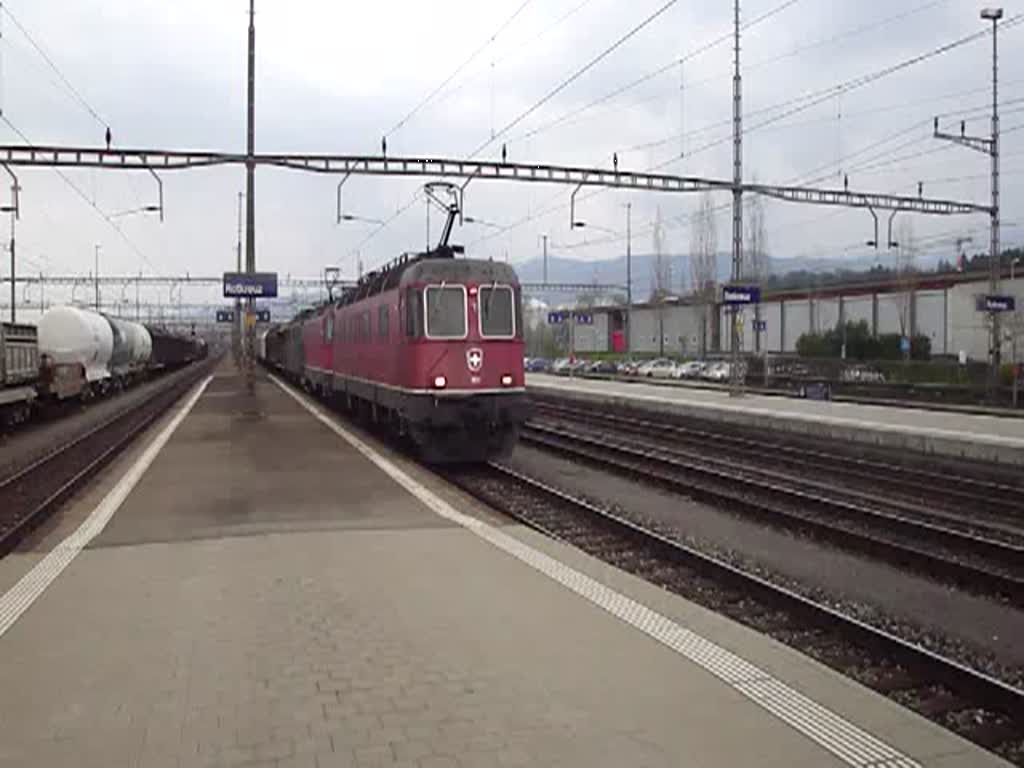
[(629, 266), (237, 328), (629, 280), (365, 220), (994, 15)]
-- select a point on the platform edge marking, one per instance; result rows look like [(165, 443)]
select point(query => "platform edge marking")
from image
[(846, 741), (22, 595), (938, 433)]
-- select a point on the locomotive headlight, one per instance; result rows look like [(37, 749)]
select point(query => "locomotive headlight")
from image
[(440, 382), (506, 380)]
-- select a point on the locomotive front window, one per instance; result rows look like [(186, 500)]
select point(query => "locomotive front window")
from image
[(446, 311), (497, 311)]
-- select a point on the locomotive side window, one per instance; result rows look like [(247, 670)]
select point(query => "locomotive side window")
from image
[(497, 311), (445, 311), (365, 334), (383, 321), (414, 313)]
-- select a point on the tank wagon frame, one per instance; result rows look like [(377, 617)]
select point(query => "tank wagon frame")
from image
[(19, 372), (76, 354)]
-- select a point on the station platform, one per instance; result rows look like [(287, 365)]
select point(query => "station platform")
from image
[(944, 433), (256, 584)]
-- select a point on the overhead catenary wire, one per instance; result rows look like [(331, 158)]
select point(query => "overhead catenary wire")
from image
[(521, 46), (577, 112), (772, 12), (802, 103), (388, 221), (93, 112), (619, 42), (106, 217), (62, 79), (480, 49), (655, 73)]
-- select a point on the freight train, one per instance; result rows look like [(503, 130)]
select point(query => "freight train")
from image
[(76, 354), (430, 348)]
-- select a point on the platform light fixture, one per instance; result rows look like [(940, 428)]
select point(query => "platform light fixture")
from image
[(482, 222), (364, 219)]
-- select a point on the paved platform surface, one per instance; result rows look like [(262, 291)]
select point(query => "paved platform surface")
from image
[(940, 432), (305, 600)]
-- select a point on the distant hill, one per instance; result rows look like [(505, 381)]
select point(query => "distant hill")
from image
[(613, 271)]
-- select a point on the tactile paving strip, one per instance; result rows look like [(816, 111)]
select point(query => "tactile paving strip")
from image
[(846, 741)]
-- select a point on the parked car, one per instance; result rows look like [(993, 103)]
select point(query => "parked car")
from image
[(560, 366), (815, 390), (662, 368), (606, 367), (628, 367), (690, 370), (719, 371)]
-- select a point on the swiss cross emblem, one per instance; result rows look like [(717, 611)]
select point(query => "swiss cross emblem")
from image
[(474, 359)]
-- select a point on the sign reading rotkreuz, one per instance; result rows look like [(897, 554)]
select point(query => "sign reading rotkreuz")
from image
[(741, 294), (997, 303), (250, 285)]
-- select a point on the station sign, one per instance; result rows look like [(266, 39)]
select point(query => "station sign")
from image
[(993, 303), (262, 315), (760, 326), (225, 316), (250, 285), (580, 318), (736, 295)]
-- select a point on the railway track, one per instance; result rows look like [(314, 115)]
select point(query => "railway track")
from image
[(970, 561), (31, 493), (978, 707), (982, 499)]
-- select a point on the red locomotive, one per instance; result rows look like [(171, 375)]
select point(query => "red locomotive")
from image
[(430, 347)]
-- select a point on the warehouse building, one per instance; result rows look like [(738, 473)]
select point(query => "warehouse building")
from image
[(941, 307)]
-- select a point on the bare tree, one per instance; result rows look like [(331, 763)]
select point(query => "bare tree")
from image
[(755, 256), (906, 276), (704, 261), (703, 247), (661, 279)]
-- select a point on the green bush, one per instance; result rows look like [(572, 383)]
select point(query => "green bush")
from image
[(861, 344)]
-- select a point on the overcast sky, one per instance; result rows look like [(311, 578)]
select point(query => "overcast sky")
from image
[(334, 77)]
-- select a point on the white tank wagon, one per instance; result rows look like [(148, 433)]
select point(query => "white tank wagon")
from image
[(132, 349), (75, 347)]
